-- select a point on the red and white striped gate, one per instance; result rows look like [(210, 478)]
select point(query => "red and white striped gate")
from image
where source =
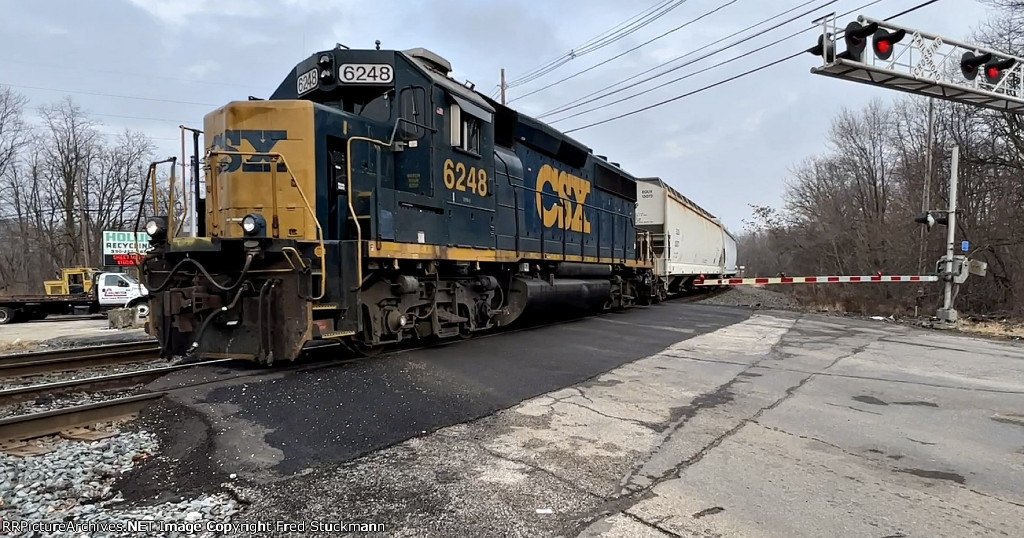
[(814, 280)]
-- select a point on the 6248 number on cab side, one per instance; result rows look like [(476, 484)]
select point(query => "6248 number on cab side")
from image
[(459, 177), (366, 73)]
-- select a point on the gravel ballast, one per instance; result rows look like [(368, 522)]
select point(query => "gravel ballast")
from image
[(72, 485), (751, 296)]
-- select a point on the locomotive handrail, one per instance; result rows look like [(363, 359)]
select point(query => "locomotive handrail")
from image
[(321, 251), (348, 188)]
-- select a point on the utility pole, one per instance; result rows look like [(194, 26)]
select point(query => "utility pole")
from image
[(947, 312), (503, 85), (927, 188), (83, 206)]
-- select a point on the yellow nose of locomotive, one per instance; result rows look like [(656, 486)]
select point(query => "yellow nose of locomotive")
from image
[(257, 149)]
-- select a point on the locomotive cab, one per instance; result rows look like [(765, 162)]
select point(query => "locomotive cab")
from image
[(373, 199)]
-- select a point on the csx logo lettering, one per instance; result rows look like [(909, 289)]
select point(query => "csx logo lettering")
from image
[(257, 141), (566, 210)]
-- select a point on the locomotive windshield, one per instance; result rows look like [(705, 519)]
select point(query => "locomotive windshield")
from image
[(375, 104)]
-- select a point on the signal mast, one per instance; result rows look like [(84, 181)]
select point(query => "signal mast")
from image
[(926, 64)]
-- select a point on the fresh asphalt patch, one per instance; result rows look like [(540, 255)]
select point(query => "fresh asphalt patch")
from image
[(277, 424)]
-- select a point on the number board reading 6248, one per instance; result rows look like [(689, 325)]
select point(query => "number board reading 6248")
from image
[(462, 178), (366, 73)]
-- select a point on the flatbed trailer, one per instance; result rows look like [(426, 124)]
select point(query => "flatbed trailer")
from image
[(111, 290), (34, 307)]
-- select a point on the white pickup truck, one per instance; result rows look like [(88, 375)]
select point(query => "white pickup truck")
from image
[(108, 290)]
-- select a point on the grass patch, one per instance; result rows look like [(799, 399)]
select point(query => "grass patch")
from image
[(1004, 328)]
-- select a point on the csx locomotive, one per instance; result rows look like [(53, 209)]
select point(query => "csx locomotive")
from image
[(373, 199)]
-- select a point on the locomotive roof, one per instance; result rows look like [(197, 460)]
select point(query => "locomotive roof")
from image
[(438, 68)]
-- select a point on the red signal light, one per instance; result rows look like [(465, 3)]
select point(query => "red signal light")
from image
[(994, 69), (884, 42)]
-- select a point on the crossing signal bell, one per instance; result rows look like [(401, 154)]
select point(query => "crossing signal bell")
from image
[(883, 42), (856, 38)]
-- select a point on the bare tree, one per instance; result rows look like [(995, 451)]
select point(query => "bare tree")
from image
[(13, 131), (70, 145), (115, 190)]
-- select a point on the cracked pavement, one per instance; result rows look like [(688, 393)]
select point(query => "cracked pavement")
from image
[(778, 425)]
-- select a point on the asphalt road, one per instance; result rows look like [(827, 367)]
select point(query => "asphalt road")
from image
[(636, 426), (269, 424)]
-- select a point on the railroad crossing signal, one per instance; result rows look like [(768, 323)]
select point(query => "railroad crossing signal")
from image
[(825, 49), (930, 220), (884, 42), (995, 69), (970, 62), (921, 63), (856, 38)]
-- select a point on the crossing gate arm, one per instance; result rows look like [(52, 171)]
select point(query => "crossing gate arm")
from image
[(814, 280)]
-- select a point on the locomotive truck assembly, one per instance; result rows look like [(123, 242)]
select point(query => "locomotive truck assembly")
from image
[(373, 199)]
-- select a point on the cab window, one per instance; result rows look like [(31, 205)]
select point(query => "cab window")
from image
[(379, 108), (111, 280), (465, 130), (413, 109), (471, 134)]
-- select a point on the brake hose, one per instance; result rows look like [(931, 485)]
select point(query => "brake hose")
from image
[(177, 267), (206, 322)]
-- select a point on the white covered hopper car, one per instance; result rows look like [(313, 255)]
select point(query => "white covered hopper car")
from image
[(687, 241)]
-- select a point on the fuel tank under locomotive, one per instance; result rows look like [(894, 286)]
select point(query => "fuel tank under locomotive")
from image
[(572, 289)]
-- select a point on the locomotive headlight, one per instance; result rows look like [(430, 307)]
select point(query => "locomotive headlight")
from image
[(249, 224), (156, 227), (254, 224)]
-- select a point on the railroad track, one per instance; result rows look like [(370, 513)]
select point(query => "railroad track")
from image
[(96, 383), (63, 360), (29, 426), (19, 428)]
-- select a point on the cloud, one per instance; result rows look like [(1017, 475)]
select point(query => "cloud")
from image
[(181, 12), (724, 148), (201, 69)]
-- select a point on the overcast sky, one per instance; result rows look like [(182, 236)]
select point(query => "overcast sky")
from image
[(725, 148)]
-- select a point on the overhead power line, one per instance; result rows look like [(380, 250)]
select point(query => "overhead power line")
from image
[(732, 78), (688, 75), (582, 48), (609, 36), (915, 8), (687, 94), (147, 76), (100, 94), (576, 103), (617, 56)]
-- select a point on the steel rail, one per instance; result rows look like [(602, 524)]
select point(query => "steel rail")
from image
[(62, 360), (102, 382), (22, 427)]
